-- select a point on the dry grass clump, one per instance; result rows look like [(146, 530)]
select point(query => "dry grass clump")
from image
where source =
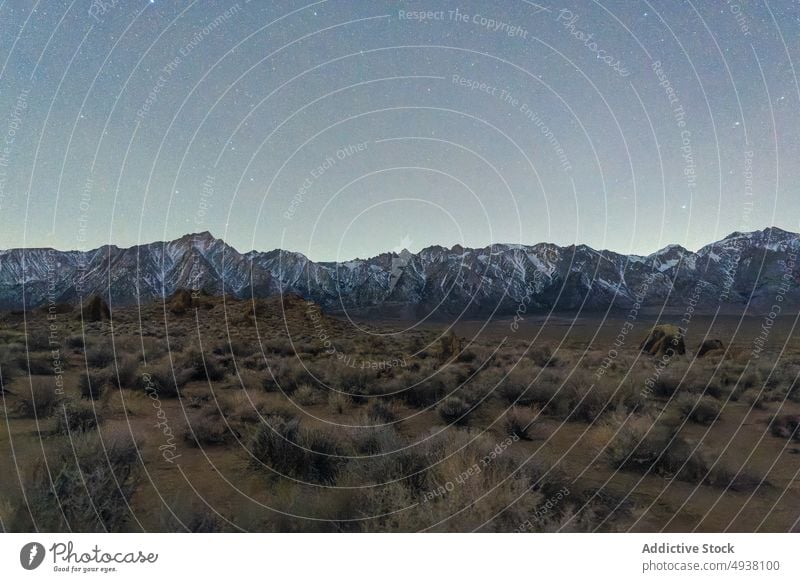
[(208, 429), (382, 412), (307, 454), (199, 367), (307, 395), (453, 410), (339, 402), (100, 355), (702, 410), (37, 397), (161, 379), (87, 495), (519, 421), (77, 416), (663, 452), (93, 384)]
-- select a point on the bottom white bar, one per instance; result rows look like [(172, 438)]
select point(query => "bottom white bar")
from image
[(373, 557)]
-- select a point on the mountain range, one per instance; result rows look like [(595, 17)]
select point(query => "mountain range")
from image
[(756, 269)]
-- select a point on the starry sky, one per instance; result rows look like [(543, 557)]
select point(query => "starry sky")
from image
[(344, 129)]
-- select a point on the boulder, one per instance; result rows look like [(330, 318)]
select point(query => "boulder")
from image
[(180, 302), (664, 339), (449, 346), (786, 426), (709, 345), (96, 309)]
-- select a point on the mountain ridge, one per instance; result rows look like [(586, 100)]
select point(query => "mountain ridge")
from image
[(498, 278)]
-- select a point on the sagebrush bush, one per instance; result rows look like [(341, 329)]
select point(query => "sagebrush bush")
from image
[(200, 367), (339, 402), (306, 395), (100, 355), (383, 412), (208, 429), (94, 383), (453, 409), (285, 447), (519, 421), (702, 410), (160, 378), (89, 486), (37, 397), (77, 416)]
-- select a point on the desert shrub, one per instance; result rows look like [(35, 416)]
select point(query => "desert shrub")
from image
[(100, 356), (453, 409), (382, 412), (123, 374), (38, 397), (10, 357), (703, 410), (421, 394), (306, 395), (668, 381), (94, 383), (280, 347), (207, 430), (38, 340), (200, 367), (287, 448), (339, 402), (160, 379), (74, 342), (92, 484), (40, 364), (786, 426), (543, 356), (77, 416), (665, 453), (466, 356), (519, 421), (628, 449), (236, 347), (287, 375), (184, 516), (516, 388)]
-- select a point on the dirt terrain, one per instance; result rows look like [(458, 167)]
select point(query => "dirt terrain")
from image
[(215, 414)]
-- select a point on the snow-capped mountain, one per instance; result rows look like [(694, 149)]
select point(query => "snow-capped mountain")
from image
[(755, 267)]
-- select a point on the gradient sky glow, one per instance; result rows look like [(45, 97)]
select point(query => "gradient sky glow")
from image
[(343, 129)]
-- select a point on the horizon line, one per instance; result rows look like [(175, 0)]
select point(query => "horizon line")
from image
[(574, 244)]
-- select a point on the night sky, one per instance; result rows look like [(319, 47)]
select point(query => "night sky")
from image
[(345, 129)]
